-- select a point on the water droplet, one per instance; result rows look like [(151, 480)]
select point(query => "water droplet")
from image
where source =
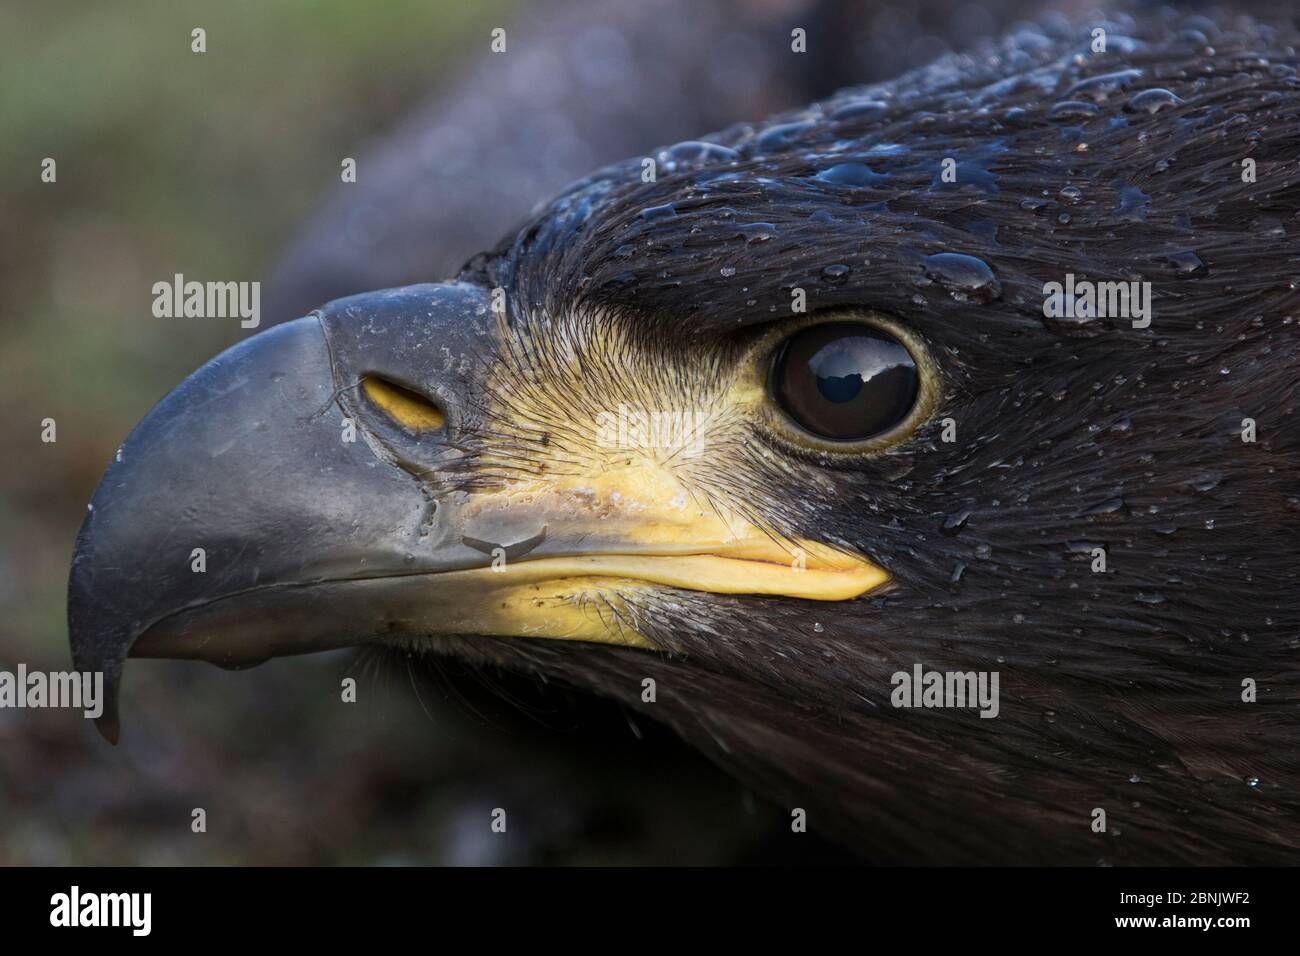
[(1185, 262), (1111, 508), (694, 153), (1252, 781), (856, 175), (966, 278), (656, 213), (1135, 779), (1072, 194), (727, 271), (1132, 204), (851, 109), (974, 168), (836, 272), (818, 628), (953, 523), (1073, 110), (1101, 87), (776, 137), (886, 149), (1152, 101)]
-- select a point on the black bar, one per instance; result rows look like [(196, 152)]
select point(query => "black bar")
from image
[(333, 906)]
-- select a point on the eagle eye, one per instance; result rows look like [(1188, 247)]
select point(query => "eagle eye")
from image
[(844, 384), (845, 381)]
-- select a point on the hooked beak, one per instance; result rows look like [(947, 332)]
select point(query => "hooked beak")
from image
[(297, 493)]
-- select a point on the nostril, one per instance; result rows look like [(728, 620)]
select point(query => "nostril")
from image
[(409, 409)]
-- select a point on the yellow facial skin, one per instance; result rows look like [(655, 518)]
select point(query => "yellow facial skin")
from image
[(621, 518)]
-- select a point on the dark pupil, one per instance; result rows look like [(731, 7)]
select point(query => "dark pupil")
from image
[(845, 381)]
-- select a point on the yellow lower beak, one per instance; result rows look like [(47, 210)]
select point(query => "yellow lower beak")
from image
[(805, 570), (644, 532)]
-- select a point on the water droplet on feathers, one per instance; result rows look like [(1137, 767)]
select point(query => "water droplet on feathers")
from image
[(967, 278), (1153, 101), (857, 175)]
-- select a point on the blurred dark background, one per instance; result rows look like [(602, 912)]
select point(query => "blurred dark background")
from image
[(225, 165)]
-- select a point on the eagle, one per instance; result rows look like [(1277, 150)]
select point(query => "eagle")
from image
[(990, 371)]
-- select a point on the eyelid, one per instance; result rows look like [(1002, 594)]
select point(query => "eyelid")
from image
[(753, 388)]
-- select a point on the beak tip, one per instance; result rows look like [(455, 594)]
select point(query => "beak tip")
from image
[(109, 727)]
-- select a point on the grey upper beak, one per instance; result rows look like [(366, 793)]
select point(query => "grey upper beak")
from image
[(242, 480)]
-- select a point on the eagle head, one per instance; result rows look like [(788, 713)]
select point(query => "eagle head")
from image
[(989, 370)]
